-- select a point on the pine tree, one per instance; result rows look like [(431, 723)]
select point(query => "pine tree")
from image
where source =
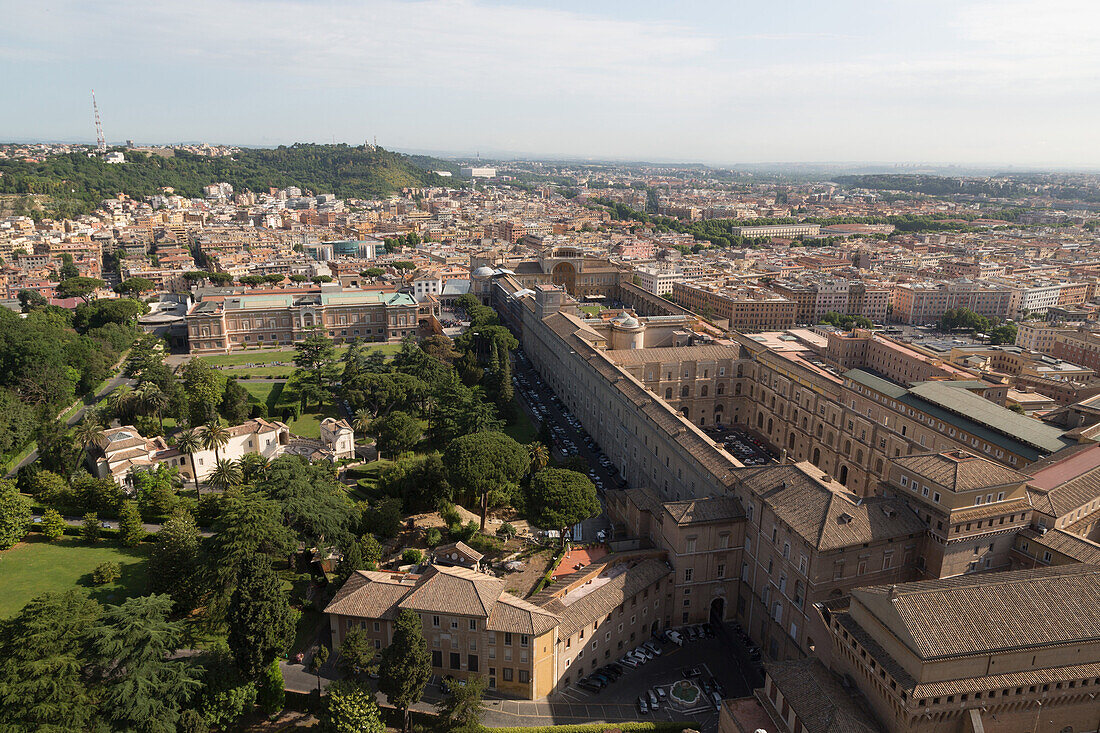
[(129, 525), (406, 664), (260, 619)]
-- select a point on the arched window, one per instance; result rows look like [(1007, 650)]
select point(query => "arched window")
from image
[(769, 426), (703, 391), (737, 389), (790, 441), (759, 419), (844, 475), (684, 391), (817, 456)]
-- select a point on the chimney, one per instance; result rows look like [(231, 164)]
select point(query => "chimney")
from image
[(783, 457), (893, 592)]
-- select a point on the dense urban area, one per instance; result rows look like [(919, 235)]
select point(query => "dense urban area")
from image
[(329, 435)]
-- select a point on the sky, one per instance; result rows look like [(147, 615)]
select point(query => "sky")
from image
[(1005, 82)]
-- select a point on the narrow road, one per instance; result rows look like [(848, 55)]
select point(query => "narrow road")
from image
[(77, 416)]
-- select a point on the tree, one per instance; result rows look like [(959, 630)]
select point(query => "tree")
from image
[(53, 524), (156, 490), (356, 654), (317, 662), (461, 706), (89, 529), (485, 465), (225, 475), (141, 687), (15, 515), (253, 467), (350, 708), (152, 401), (538, 455), (235, 405), (1003, 334), (349, 563), (396, 432), (406, 664), (129, 525), (261, 624), (214, 437), (87, 433), (78, 287), (189, 442), (560, 498), (42, 683), (312, 502), (315, 357), (203, 385), (226, 694), (174, 561), (271, 692), (372, 551), (135, 286), (32, 300), (106, 572)]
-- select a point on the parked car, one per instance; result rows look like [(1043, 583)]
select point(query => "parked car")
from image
[(661, 694), (652, 648), (643, 708), (629, 661), (641, 650), (595, 680), (653, 702), (673, 637), (591, 687), (717, 700)]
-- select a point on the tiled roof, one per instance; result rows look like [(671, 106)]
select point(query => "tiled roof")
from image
[(985, 613), (960, 470), (456, 591), (461, 547), (517, 616), (1065, 543), (713, 509), (670, 355), (818, 699), (371, 594), (588, 608), (826, 514)]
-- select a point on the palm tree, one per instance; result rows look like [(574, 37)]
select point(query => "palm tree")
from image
[(362, 421), (153, 400), (87, 433), (189, 442), (214, 437), (538, 456), (121, 400), (253, 466), (225, 475)]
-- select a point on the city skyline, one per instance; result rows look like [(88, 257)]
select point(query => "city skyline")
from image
[(976, 83)]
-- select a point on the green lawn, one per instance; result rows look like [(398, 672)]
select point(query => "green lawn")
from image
[(309, 424), (592, 310), (266, 393), (524, 430), (266, 356), (38, 566)]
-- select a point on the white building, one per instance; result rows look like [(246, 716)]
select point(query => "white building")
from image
[(478, 172), (427, 282), (658, 280), (123, 449)]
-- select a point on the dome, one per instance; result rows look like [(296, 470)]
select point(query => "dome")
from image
[(483, 271), (625, 320)]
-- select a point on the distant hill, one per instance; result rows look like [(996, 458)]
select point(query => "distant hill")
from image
[(77, 183)]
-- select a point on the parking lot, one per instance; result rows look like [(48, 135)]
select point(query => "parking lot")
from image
[(743, 446), (694, 669)]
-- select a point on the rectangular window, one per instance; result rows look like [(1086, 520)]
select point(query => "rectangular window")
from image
[(524, 676), (456, 660), (437, 659), (687, 575), (471, 662), (506, 674)]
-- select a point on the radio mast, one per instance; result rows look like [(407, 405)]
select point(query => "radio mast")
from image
[(100, 141)]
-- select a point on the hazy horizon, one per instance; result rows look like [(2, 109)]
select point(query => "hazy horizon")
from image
[(974, 84)]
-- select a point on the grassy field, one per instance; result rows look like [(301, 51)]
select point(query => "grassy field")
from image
[(309, 424), (592, 310), (266, 356), (524, 430), (266, 393), (37, 566)]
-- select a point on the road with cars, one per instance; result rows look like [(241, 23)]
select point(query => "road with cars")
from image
[(569, 439)]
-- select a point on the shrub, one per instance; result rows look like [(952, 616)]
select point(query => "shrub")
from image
[(411, 556), (433, 536), (449, 514), (270, 693), (106, 572), (506, 531), (89, 530)]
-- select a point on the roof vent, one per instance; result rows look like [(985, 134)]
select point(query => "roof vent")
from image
[(845, 518)]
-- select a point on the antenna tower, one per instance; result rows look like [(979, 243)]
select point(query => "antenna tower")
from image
[(100, 141)]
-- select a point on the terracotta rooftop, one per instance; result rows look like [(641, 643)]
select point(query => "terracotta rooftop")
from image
[(960, 470)]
